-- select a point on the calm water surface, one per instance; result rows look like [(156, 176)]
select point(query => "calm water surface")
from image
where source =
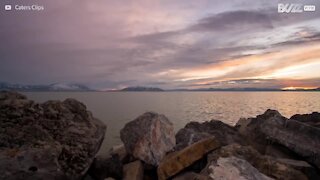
[(117, 108)]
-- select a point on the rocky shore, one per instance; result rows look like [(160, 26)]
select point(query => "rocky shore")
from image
[(60, 140), (53, 140)]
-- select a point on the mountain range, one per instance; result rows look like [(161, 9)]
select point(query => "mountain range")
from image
[(81, 87), (49, 87)]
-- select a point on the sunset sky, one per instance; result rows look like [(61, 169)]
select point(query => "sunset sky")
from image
[(169, 44)]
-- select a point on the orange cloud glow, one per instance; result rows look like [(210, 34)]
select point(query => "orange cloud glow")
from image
[(301, 62)]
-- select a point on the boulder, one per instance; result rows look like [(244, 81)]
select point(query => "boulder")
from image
[(265, 164), (312, 119), (177, 161), (133, 171), (195, 131), (191, 176), (53, 140), (279, 151), (242, 125), (149, 137), (104, 167), (272, 128), (302, 166), (231, 168)]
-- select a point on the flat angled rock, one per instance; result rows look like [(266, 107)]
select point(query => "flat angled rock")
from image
[(175, 162)]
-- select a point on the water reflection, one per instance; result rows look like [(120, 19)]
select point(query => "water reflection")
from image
[(115, 109)]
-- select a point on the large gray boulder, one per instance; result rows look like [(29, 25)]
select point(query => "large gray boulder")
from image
[(312, 119), (271, 128), (231, 168), (53, 140), (272, 167), (149, 137), (196, 131)]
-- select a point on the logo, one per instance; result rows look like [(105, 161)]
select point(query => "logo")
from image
[(295, 8), (290, 8), (7, 7), (309, 8)]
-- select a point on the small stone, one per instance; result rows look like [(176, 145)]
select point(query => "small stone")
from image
[(191, 176), (104, 167), (109, 178), (120, 151)]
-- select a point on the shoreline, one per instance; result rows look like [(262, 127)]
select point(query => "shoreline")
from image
[(269, 145)]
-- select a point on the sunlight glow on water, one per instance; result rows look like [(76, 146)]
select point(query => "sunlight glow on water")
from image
[(117, 108)]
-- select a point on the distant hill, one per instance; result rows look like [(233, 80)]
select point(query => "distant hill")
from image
[(50, 87), (139, 88), (68, 87), (228, 89)]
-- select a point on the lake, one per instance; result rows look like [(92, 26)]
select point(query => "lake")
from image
[(115, 109)]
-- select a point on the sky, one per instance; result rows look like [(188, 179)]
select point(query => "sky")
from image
[(171, 44)]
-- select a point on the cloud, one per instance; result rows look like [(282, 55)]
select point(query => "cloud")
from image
[(258, 83), (230, 21), (289, 63), (111, 44), (233, 21), (303, 36)]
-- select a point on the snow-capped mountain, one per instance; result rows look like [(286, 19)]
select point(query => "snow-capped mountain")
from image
[(50, 87), (68, 87)]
